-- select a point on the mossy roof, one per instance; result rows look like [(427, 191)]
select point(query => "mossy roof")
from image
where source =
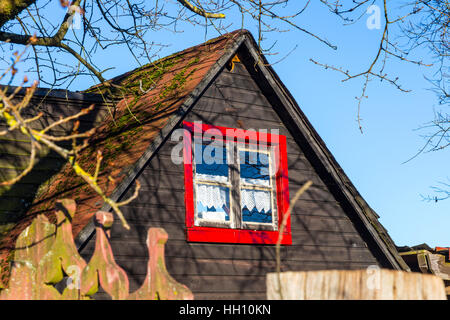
[(145, 99)]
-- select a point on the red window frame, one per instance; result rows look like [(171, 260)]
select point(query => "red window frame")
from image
[(229, 235)]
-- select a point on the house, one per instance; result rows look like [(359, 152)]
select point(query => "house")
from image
[(223, 101), (422, 258)]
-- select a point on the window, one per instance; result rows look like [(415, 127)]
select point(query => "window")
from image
[(236, 185)]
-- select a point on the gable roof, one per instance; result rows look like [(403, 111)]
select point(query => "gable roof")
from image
[(159, 95)]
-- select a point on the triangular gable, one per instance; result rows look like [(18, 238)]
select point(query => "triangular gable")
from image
[(303, 130), (217, 53)]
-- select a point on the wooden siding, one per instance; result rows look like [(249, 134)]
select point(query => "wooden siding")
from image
[(323, 235)]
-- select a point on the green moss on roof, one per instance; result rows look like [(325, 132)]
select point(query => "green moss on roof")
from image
[(137, 81), (144, 101)]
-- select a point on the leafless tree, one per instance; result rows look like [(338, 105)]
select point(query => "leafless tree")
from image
[(12, 113), (407, 27), (60, 55)]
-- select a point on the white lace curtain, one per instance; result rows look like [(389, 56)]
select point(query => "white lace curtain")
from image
[(212, 196), (217, 197), (258, 199)]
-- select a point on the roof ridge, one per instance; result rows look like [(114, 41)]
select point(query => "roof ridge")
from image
[(122, 76)]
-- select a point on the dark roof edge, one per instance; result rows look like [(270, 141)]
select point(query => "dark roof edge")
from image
[(175, 54), (88, 231), (59, 94), (365, 213)]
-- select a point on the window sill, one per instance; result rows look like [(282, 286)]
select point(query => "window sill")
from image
[(221, 235)]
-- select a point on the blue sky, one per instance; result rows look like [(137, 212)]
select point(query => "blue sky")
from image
[(372, 160)]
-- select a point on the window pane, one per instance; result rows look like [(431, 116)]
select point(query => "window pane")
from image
[(211, 162), (213, 202), (256, 206), (254, 167)]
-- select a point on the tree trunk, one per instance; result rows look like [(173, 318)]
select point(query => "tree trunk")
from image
[(9, 9), (370, 284)]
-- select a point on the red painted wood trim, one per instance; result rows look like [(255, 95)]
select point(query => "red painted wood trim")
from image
[(227, 235), (188, 179), (283, 182), (256, 136)]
